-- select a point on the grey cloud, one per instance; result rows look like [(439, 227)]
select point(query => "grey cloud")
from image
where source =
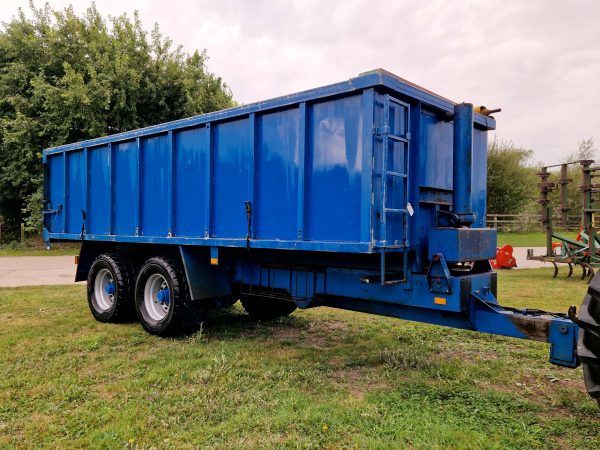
[(539, 60)]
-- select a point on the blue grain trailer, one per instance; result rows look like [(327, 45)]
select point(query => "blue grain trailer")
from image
[(368, 195)]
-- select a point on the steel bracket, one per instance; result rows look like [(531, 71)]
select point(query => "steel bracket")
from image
[(438, 275)]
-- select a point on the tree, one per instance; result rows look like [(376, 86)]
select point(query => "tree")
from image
[(65, 78), (586, 150), (511, 178)]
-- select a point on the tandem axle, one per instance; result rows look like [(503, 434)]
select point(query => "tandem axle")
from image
[(172, 292)]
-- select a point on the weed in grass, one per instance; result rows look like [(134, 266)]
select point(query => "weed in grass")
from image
[(197, 338), (404, 358)]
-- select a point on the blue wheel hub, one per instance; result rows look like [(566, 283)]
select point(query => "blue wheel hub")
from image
[(110, 288), (163, 296)]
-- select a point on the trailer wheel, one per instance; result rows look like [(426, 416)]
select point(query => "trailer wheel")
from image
[(267, 308), (110, 289), (162, 299)]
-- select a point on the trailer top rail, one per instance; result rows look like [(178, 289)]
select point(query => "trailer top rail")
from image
[(373, 78)]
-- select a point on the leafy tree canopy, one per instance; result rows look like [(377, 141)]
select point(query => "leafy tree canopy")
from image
[(65, 78), (511, 178)]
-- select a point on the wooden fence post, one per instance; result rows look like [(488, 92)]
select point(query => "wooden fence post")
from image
[(22, 232)]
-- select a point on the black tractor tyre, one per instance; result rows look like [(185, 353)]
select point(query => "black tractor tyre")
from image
[(110, 286), (591, 375), (172, 314), (259, 307), (588, 345)]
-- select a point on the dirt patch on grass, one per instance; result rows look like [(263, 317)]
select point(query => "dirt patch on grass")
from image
[(358, 381), (319, 335), (542, 384), (467, 355), (574, 385), (103, 391), (324, 335), (542, 390), (284, 333), (333, 326)]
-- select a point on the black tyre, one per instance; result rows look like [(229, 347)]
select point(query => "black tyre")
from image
[(591, 375), (162, 299), (267, 308), (588, 345), (110, 288)]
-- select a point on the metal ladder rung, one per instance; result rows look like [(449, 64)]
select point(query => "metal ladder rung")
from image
[(395, 210), (396, 174), (397, 138), (400, 171)]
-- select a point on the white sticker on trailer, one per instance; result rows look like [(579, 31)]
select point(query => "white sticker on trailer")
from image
[(410, 209)]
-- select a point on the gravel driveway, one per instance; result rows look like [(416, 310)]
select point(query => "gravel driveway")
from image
[(36, 270), (520, 254)]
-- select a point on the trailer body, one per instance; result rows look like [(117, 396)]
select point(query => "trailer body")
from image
[(367, 195), (309, 164)]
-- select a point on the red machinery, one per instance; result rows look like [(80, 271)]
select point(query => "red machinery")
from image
[(504, 258)]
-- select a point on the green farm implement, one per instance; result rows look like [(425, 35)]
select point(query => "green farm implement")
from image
[(584, 250)]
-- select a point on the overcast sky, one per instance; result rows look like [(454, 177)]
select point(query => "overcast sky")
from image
[(539, 60)]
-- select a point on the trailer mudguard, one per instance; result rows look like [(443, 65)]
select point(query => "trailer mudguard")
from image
[(206, 278)]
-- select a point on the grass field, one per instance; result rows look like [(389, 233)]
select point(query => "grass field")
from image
[(35, 247), (320, 378), (527, 239)]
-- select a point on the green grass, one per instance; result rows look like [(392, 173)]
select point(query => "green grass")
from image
[(528, 239), (320, 378), (35, 247)]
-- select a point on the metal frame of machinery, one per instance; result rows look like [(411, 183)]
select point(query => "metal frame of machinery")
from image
[(584, 251)]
